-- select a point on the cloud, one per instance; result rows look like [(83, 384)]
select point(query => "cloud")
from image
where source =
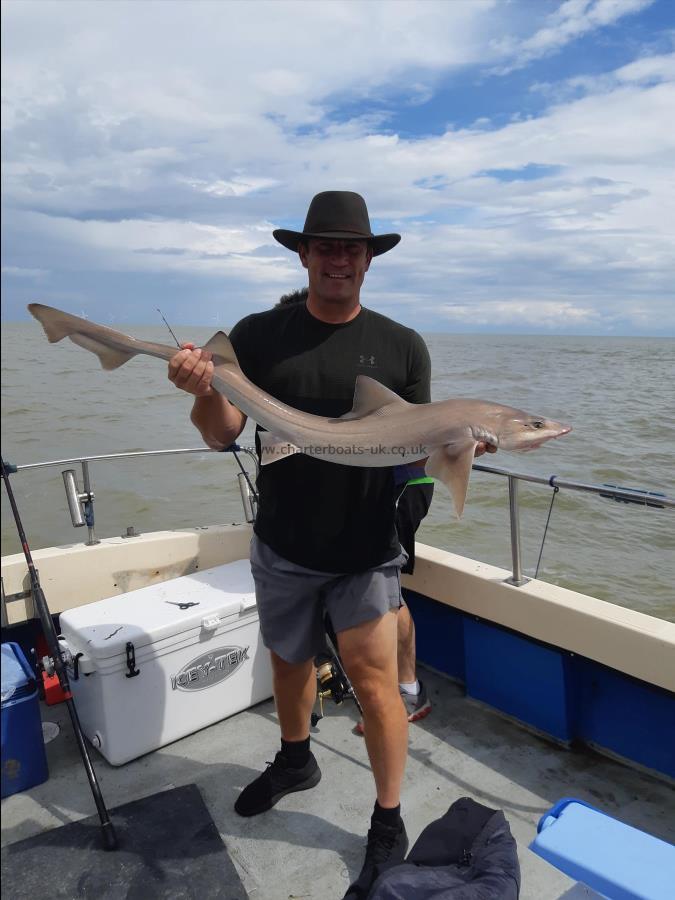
[(649, 69), (19, 272), (571, 20), (546, 314), (164, 246), (243, 59), (235, 187), (132, 152)]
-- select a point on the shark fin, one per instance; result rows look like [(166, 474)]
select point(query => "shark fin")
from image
[(108, 356), (220, 345), (452, 465), (372, 397), (273, 448)]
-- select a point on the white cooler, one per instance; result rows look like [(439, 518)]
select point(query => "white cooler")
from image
[(155, 664)]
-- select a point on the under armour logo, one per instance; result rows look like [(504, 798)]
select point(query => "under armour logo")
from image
[(366, 360)]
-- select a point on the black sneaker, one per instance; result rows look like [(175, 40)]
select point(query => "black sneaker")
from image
[(276, 781), (386, 847)]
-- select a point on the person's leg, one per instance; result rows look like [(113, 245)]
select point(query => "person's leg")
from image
[(294, 695), (405, 653), (412, 507), (413, 691), (291, 623), (368, 656), (294, 767)]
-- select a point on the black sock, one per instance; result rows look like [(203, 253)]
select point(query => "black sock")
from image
[(390, 817), (296, 752)]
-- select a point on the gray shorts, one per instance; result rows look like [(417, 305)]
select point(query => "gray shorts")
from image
[(292, 600)]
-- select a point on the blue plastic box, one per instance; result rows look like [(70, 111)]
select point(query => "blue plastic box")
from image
[(616, 860), (24, 762)]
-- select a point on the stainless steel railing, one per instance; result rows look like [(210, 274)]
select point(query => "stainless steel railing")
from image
[(81, 503), (650, 499)]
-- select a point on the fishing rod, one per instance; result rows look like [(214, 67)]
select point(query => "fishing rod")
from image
[(233, 448), (107, 829), (168, 326)]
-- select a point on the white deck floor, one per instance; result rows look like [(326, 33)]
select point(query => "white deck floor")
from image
[(312, 843)]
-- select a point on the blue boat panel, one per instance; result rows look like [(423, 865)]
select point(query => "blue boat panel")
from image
[(521, 677), (624, 715), (569, 697), (440, 632)]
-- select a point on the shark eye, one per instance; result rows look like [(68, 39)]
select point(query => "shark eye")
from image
[(537, 423)]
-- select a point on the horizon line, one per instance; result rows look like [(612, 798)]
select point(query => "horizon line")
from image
[(505, 332)]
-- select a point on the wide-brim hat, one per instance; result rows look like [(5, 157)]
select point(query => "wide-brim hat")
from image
[(341, 215)]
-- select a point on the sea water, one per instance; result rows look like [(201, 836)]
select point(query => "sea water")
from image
[(617, 393)]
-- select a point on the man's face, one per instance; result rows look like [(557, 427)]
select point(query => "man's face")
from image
[(336, 268)]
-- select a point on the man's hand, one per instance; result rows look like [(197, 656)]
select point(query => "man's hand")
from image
[(191, 370), (482, 447)]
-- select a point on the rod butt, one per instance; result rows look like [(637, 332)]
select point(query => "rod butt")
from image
[(109, 836)]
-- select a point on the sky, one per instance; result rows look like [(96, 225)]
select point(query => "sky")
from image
[(524, 150)]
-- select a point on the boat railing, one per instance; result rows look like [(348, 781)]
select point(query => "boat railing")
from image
[(651, 499), (81, 502)]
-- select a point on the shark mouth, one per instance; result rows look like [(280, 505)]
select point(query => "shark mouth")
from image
[(565, 429)]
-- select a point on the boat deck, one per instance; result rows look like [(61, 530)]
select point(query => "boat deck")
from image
[(312, 843)]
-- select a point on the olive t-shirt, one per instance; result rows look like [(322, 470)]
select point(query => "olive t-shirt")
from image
[(319, 514)]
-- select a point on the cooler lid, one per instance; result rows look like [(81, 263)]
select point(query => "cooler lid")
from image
[(17, 676), (159, 611)]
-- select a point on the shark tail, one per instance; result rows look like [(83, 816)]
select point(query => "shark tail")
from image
[(58, 325), (109, 357)]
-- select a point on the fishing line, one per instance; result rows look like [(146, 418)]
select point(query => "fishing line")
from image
[(548, 519), (233, 448)]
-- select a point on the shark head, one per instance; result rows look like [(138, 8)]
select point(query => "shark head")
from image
[(519, 430), (488, 423)]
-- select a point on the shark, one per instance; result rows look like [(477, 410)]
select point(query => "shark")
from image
[(381, 429)]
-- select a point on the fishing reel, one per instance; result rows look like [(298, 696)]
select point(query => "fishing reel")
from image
[(332, 682)]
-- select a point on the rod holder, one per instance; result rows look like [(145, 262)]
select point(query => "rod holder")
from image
[(81, 503), (74, 498), (247, 498)]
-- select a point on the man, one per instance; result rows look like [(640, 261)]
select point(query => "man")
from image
[(324, 534), (411, 507)]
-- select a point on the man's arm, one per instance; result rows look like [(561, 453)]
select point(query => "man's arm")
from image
[(218, 421)]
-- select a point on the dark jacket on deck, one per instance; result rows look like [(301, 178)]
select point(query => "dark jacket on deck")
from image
[(467, 854)]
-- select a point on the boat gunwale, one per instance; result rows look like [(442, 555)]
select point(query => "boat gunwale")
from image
[(631, 642)]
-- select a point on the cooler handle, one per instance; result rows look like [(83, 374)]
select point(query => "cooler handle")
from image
[(210, 623), (77, 663)]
